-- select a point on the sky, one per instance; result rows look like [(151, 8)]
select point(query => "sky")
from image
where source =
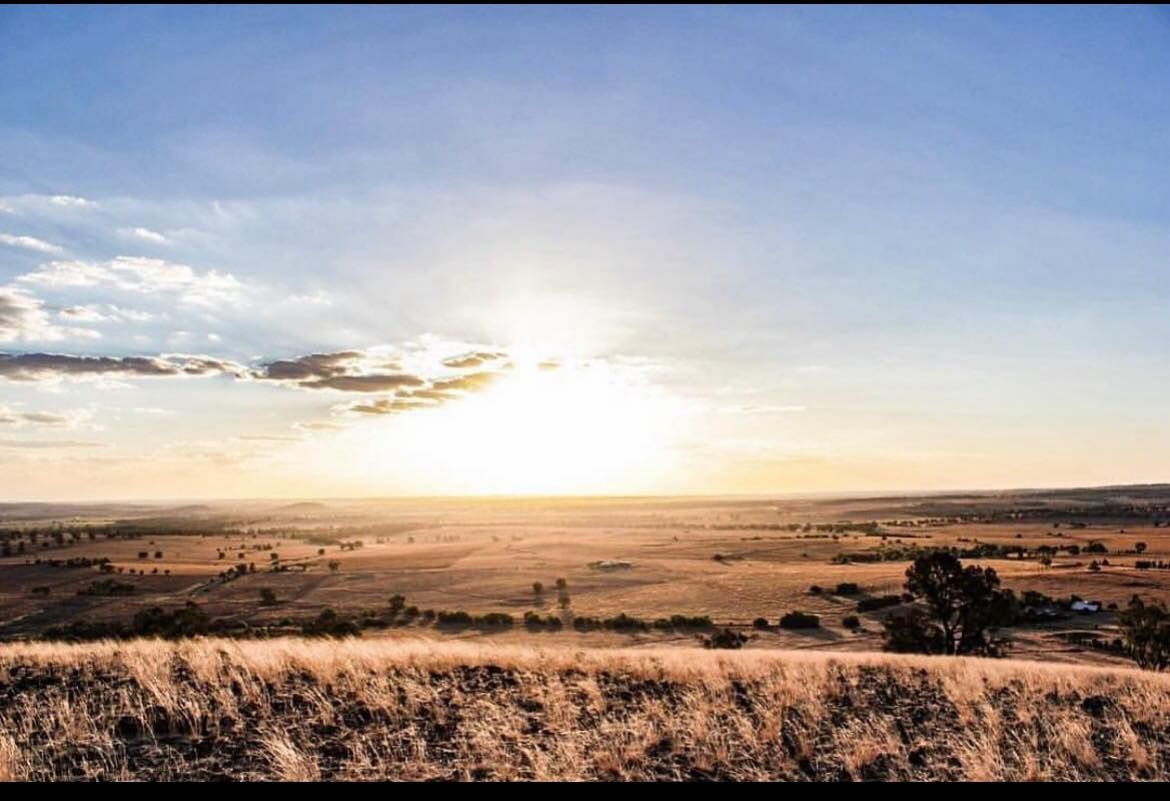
[(362, 251)]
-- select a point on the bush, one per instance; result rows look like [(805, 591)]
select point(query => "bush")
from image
[(800, 620), (847, 588), (760, 623), (330, 624), (460, 618), (107, 587), (267, 597), (815, 589), (1096, 547), (725, 638), (624, 622), (851, 622), (537, 588), (881, 602)]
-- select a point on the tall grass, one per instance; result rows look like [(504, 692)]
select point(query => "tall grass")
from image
[(365, 709)]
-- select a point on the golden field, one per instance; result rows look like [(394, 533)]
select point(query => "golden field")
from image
[(483, 556)]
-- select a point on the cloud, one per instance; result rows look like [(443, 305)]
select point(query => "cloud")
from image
[(429, 396), (20, 418), (72, 202), (142, 275), (24, 317), (472, 382), (318, 425), (762, 409), (267, 438), (108, 313), (344, 371), (145, 235), (390, 406), (473, 359), (30, 243), (44, 444), (55, 366)]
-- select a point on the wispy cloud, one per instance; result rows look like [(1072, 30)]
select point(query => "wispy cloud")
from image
[(30, 243), (762, 408), (49, 444), (144, 235), (23, 317), (72, 202), (142, 275)]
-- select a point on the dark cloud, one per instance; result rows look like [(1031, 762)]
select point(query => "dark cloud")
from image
[(365, 383), (313, 366), (474, 359), (345, 371), (41, 366)]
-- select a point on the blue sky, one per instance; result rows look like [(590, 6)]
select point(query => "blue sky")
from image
[(819, 249)]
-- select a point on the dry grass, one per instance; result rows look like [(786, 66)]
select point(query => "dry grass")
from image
[(307, 710)]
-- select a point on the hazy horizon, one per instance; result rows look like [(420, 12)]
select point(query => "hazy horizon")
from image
[(588, 252)]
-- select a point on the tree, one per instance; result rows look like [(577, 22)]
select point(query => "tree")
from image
[(267, 597), (1140, 547), (963, 604), (537, 588), (1146, 632), (334, 565)]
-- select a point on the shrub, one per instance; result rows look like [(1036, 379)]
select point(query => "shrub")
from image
[(107, 587), (495, 620), (267, 597), (1096, 547), (445, 618), (537, 588), (397, 603), (158, 554), (725, 638), (330, 624), (334, 565), (851, 622), (561, 584), (760, 623), (881, 602), (847, 588), (815, 589), (800, 620)]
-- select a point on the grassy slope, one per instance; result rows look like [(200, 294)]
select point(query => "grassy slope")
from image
[(294, 709)]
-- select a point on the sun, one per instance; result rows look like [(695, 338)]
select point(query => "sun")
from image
[(587, 427)]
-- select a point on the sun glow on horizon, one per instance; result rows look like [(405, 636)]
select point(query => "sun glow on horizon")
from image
[(581, 427)]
